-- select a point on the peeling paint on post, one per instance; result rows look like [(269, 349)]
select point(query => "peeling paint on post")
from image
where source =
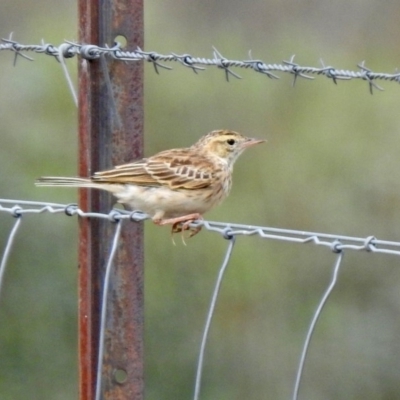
[(110, 133)]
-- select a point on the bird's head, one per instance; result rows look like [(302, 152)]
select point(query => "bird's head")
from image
[(225, 144)]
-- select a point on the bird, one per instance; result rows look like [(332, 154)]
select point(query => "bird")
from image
[(175, 186)]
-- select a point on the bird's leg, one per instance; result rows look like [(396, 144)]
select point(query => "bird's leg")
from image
[(186, 220), (193, 231), (184, 227)]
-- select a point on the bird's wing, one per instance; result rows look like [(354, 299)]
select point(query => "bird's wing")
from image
[(177, 169)]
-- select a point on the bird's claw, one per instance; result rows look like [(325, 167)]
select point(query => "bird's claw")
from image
[(181, 227)]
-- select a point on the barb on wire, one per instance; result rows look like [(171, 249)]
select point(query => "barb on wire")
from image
[(187, 61), (152, 57), (331, 73), (16, 48), (259, 66), (296, 70), (196, 64), (369, 77), (223, 63), (335, 248)]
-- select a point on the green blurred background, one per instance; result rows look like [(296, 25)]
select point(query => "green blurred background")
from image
[(329, 165)]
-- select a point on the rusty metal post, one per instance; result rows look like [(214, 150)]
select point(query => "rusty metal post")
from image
[(110, 133)]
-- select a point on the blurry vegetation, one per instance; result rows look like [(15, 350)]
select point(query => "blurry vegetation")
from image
[(329, 165)]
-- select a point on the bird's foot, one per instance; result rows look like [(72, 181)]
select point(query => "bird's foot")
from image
[(182, 224)]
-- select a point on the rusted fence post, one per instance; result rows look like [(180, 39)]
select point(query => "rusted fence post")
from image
[(110, 133)]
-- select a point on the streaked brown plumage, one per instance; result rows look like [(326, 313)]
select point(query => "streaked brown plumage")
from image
[(173, 186)]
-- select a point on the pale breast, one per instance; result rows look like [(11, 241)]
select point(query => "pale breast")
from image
[(164, 202)]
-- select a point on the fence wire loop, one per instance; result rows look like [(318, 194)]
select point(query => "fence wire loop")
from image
[(369, 243), (68, 51), (71, 209), (50, 50), (114, 216), (137, 216), (89, 52), (227, 233), (336, 247), (16, 211)]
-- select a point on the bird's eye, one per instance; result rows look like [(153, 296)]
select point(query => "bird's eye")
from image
[(231, 142)]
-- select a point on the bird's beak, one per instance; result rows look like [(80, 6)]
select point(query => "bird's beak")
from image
[(252, 142)]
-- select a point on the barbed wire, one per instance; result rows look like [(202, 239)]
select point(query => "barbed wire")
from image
[(229, 231), (70, 49)]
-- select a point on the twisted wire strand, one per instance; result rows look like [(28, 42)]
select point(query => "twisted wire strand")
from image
[(18, 208), (197, 64)]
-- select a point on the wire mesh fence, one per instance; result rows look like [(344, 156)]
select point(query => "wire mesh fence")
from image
[(338, 244)]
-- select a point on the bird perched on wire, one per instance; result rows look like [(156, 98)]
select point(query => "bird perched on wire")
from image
[(174, 186)]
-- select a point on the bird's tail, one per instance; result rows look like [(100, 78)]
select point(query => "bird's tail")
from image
[(65, 181)]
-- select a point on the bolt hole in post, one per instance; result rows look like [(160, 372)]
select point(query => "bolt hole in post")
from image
[(120, 376), (121, 40)]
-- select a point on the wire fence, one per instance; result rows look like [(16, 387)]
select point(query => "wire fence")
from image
[(197, 64), (338, 244)]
